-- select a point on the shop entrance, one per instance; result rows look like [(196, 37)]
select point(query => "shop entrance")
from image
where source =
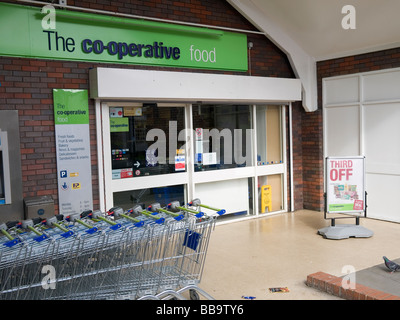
[(224, 154)]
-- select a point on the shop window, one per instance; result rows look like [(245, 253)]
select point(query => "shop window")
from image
[(223, 136), (145, 140), (270, 193), (269, 135), (146, 197)]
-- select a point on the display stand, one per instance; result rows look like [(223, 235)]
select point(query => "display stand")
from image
[(345, 231)]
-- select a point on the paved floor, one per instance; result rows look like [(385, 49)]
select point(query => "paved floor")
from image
[(379, 278), (247, 258)]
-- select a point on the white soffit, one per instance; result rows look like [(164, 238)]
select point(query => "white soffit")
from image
[(316, 25), (311, 30), (303, 64), (146, 85)]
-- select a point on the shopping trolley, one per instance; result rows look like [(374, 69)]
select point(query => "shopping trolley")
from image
[(151, 253)]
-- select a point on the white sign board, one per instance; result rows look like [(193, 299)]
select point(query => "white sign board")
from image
[(71, 116)]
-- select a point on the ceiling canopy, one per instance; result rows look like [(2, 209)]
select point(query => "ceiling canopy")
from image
[(316, 25), (315, 30)]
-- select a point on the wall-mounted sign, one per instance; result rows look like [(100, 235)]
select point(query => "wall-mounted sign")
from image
[(345, 184), (71, 117), (93, 37)]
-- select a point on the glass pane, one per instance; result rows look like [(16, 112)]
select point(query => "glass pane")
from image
[(269, 137), (146, 197), (144, 140), (223, 136), (270, 193), (234, 196)]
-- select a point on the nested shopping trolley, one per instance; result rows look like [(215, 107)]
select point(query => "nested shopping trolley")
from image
[(142, 253)]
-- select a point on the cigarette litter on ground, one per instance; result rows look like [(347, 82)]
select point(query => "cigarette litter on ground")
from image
[(281, 289)]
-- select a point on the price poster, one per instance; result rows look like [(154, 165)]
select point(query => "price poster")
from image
[(345, 184)]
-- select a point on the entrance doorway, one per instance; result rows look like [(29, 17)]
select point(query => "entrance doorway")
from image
[(223, 154)]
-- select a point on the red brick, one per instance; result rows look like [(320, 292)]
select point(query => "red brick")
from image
[(26, 151), (30, 68), (333, 285), (54, 75), (32, 123), (46, 101), (39, 63), (23, 95), (31, 112)]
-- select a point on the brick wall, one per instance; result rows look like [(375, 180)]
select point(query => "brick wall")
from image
[(27, 84), (378, 60)]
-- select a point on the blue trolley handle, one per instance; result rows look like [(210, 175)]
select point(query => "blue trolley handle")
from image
[(196, 202), (12, 241), (29, 225)]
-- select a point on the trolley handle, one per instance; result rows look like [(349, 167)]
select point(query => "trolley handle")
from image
[(119, 213), (139, 210), (175, 205), (30, 225), (37, 221), (75, 218), (196, 202), (151, 215), (98, 215), (12, 224), (176, 216), (156, 207), (12, 241), (86, 213), (53, 221)]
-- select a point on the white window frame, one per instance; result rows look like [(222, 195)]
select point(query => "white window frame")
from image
[(189, 178), (119, 87), (136, 183)]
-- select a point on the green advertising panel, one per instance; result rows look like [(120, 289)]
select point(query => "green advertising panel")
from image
[(119, 124), (71, 106), (26, 32)]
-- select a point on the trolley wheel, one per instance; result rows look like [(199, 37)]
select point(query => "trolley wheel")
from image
[(194, 295)]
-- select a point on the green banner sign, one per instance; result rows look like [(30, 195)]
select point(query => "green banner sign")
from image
[(26, 32), (71, 106)]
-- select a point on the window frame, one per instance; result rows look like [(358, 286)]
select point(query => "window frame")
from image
[(189, 178)]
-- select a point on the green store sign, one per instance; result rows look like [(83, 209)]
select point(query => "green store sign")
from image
[(71, 106), (99, 38)]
